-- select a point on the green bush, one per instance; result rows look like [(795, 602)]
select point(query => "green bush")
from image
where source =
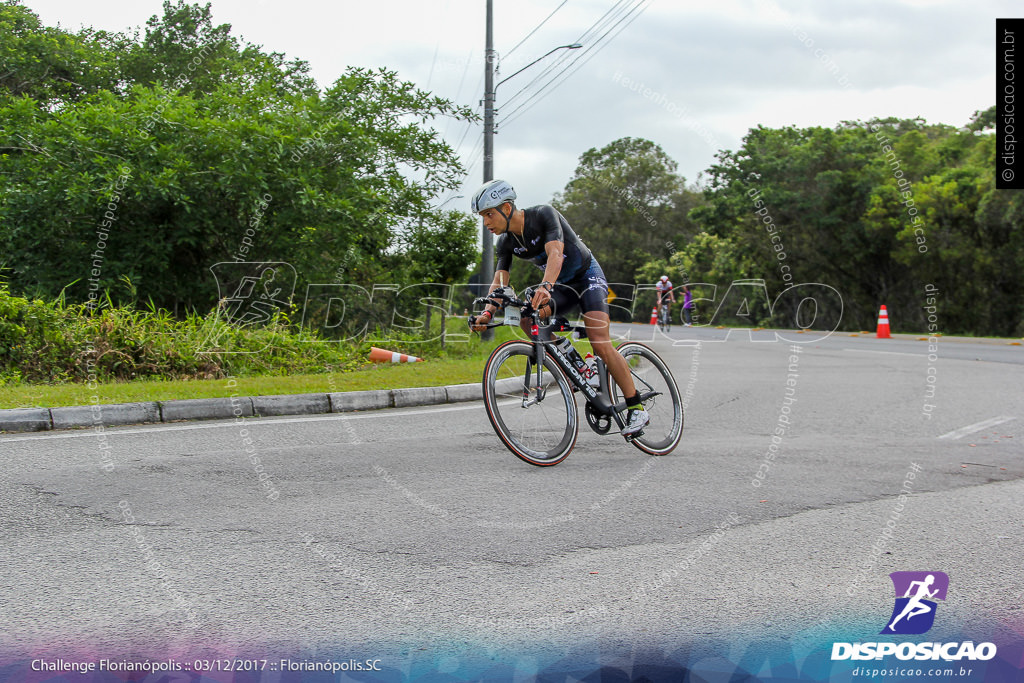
[(52, 342)]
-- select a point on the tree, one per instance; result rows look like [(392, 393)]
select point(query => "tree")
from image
[(443, 250), (241, 161), (50, 65), (439, 255), (792, 201), (876, 210), (628, 204), (983, 120), (185, 52)]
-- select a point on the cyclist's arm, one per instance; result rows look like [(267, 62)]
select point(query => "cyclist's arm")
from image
[(501, 270), (554, 242), (501, 279), (552, 269), (478, 323)]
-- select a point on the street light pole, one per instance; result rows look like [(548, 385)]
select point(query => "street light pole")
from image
[(487, 267)]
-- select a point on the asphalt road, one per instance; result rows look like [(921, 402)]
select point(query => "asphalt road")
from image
[(414, 533)]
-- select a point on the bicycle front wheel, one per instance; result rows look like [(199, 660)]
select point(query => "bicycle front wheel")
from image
[(650, 374), (537, 423)]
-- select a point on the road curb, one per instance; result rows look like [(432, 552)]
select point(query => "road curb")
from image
[(25, 420), (206, 409), (421, 396), (106, 415), (350, 401), (71, 417), (465, 392), (291, 404)]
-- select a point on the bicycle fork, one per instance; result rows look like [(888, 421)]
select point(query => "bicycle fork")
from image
[(541, 392)]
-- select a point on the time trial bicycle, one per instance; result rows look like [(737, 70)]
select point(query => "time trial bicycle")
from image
[(529, 389)]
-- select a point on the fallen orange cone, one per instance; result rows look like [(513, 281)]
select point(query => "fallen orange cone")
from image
[(385, 356), (883, 324)]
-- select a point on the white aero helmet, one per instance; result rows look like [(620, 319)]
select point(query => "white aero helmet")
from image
[(492, 194)]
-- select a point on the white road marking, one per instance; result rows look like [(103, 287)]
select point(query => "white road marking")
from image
[(249, 422), (888, 353), (976, 427)]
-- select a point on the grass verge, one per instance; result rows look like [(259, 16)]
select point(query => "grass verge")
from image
[(426, 374), (431, 373)]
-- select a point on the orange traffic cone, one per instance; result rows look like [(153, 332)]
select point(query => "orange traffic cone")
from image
[(654, 315), (384, 356), (883, 324)]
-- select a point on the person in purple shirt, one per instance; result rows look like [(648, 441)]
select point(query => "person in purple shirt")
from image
[(687, 305)]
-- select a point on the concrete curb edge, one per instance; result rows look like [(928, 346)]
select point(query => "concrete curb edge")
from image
[(163, 412)]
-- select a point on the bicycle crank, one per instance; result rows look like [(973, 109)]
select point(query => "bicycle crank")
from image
[(598, 422)]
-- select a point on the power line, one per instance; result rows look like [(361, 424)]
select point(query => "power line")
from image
[(598, 45), (469, 127), (479, 106), (563, 57), (475, 156), (584, 37), (469, 60), (613, 16), (437, 47), (536, 28)]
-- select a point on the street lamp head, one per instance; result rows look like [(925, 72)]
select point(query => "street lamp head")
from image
[(439, 206), (573, 46)]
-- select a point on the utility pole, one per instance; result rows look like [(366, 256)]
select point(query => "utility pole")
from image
[(487, 239), (487, 271)]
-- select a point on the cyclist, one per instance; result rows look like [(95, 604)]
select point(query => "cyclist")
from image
[(572, 277), (664, 287)]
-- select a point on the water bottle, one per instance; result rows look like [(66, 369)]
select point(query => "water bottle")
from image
[(592, 375)]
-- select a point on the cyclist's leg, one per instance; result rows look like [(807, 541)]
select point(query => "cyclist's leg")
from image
[(594, 305), (564, 299), (599, 332)]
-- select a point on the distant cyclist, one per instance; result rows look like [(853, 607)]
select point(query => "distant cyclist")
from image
[(572, 277), (665, 296)]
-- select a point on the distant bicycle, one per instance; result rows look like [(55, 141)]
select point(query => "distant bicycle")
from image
[(665, 317), (529, 390)]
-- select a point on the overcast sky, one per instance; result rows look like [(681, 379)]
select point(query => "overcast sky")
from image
[(693, 76)]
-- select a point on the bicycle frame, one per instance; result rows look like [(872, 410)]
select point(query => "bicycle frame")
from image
[(598, 399)]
